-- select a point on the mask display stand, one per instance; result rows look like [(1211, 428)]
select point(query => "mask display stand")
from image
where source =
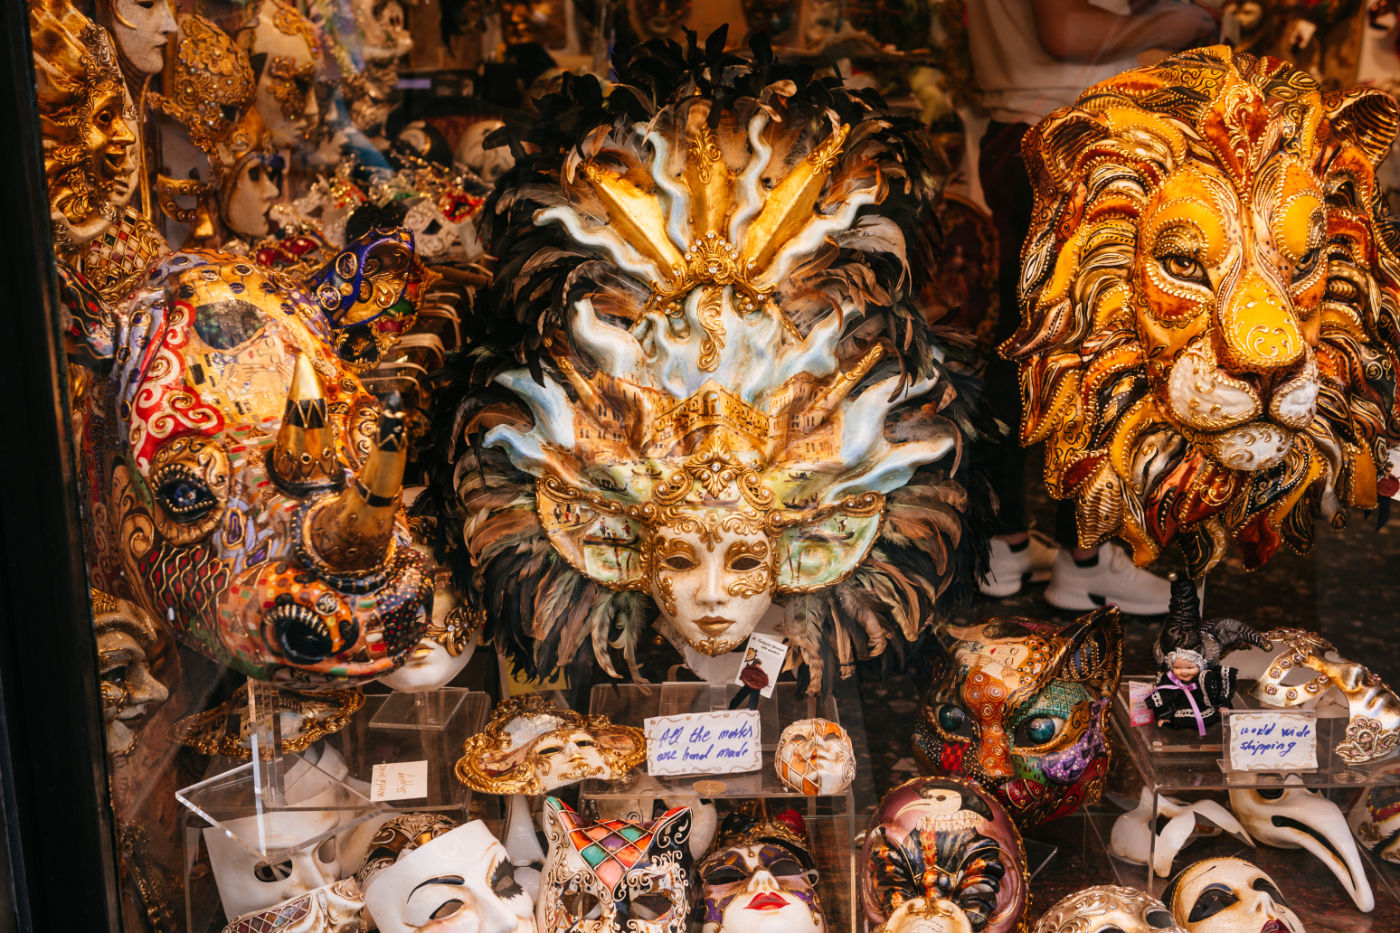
[(420, 710), (522, 844)]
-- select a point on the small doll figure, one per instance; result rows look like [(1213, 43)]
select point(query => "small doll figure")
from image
[(1194, 690)]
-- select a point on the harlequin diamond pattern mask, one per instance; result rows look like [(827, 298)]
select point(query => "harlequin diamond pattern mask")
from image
[(614, 876), (706, 386), (1207, 346)]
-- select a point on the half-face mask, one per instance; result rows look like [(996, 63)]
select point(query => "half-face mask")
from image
[(141, 30), (248, 883), (1229, 895), (1108, 908), (614, 876), (1375, 817), (531, 746), (285, 55), (1021, 707), (944, 839), (125, 636), (815, 757), (760, 878), (333, 908), (1134, 834), (445, 648), (370, 294), (486, 164), (460, 881), (1193, 270), (87, 119), (1292, 816), (1373, 731), (246, 486), (686, 438)]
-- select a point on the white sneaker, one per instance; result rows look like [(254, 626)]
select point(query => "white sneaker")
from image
[(1113, 579), (1007, 570)]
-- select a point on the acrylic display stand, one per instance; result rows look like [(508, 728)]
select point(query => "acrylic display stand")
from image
[(276, 805), (831, 820), (1190, 769), (405, 727)]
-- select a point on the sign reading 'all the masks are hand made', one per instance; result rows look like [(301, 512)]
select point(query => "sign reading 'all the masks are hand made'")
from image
[(724, 742)]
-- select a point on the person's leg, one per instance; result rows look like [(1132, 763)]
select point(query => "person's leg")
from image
[(1015, 556)]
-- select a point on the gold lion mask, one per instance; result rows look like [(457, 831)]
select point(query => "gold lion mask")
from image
[(1205, 346)]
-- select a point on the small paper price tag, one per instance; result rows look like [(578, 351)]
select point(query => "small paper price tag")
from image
[(724, 742), (399, 780), (1272, 741), (1138, 692), (764, 654)]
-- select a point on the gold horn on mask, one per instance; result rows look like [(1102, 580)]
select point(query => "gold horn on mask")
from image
[(352, 532), (304, 456)]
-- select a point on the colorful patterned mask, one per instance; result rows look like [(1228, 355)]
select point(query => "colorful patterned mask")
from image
[(614, 876), (760, 878), (1201, 348), (1022, 707), (244, 486), (695, 393), (944, 839), (814, 756)]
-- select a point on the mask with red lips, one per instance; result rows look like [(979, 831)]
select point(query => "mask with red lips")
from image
[(1229, 895), (760, 877)]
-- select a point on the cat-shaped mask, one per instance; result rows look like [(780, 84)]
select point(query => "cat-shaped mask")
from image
[(614, 876), (1021, 706)]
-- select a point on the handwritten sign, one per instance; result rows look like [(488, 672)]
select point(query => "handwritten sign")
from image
[(724, 742), (399, 780), (1272, 741), (1138, 692)]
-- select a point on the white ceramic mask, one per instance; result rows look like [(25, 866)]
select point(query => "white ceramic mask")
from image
[(281, 38), (486, 164), (247, 883), (1293, 817), (461, 881), (250, 199), (711, 588), (815, 757), (129, 691), (142, 28), (918, 915), (1108, 908), (1229, 895), (759, 888), (445, 649), (1132, 834), (334, 908)]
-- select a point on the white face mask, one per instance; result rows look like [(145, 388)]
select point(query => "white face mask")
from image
[(1229, 895), (1107, 908), (486, 164), (129, 690), (247, 883), (251, 199), (432, 664), (1132, 836), (758, 888), (334, 908), (286, 91), (815, 757), (712, 588), (142, 28), (461, 881), (1294, 817)]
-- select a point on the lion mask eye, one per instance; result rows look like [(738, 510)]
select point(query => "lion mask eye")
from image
[(1185, 268)]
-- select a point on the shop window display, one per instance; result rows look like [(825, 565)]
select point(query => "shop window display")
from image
[(498, 426)]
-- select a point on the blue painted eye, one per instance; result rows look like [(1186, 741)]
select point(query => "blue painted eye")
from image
[(953, 720), (1039, 729), (185, 498)]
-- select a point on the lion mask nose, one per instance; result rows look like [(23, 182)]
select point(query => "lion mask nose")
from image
[(1259, 332)]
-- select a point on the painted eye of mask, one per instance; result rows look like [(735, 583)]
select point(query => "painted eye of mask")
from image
[(503, 881), (650, 906), (1307, 264), (1039, 730), (954, 720), (582, 905), (1267, 887), (185, 498), (1186, 268), (1213, 900)]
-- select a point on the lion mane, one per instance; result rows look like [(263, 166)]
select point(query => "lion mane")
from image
[(1090, 389)]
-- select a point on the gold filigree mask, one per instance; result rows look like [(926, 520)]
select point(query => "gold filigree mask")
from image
[(87, 120), (281, 45)]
